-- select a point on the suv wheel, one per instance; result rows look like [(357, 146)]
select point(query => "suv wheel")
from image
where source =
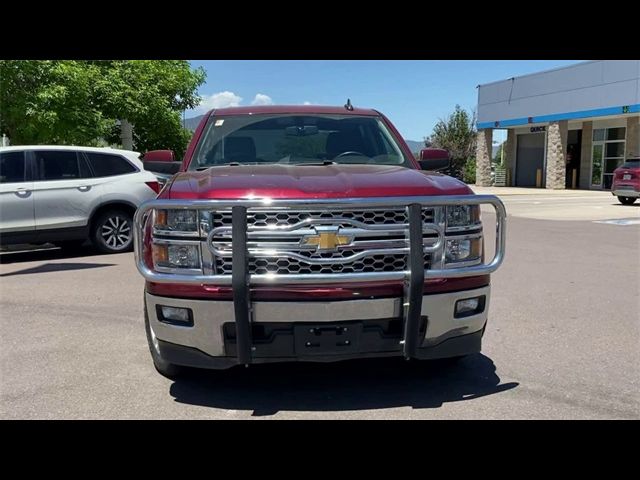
[(627, 200), (113, 232), (163, 367)]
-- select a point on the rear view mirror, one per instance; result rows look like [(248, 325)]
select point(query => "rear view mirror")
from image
[(434, 159), (295, 131), (161, 161)]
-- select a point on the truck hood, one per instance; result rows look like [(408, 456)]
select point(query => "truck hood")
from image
[(311, 181)]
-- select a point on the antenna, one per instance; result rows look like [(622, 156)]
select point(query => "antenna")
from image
[(348, 105)]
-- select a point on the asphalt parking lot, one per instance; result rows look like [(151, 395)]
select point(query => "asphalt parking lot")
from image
[(563, 338)]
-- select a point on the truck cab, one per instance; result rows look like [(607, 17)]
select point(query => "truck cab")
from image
[(310, 233)]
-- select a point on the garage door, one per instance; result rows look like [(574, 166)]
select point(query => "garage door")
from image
[(529, 158)]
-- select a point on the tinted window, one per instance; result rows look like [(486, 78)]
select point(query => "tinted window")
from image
[(632, 164), (615, 149), (106, 165), (84, 167), (615, 133), (598, 135), (11, 167), (57, 165)]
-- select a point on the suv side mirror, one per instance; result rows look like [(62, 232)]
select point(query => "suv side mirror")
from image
[(161, 161), (434, 159)]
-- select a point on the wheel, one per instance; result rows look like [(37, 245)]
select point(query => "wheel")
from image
[(163, 367), (113, 232), (70, 244), (627, 200)]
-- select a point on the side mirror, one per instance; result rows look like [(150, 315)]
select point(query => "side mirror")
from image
[(434, 159), (161, 161)]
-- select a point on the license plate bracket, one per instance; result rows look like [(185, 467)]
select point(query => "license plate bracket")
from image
[(327, 338)]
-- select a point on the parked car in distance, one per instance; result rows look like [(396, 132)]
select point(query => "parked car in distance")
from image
[(67, 194), (626, 181)]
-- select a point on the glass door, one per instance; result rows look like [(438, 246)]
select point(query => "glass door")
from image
[(596, 165), (607, 154)]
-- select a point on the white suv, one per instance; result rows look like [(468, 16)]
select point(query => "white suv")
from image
[(66, 195)]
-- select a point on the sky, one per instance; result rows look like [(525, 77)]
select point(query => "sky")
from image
[(413, 94)]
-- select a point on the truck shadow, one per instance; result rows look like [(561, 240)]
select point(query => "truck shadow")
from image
[(344, 386)]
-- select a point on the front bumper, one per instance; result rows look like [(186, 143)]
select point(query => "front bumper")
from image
[(207, 344), (242, 310)]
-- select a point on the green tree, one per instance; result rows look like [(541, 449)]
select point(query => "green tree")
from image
[(49, 102), (457, 134), (79, 102)]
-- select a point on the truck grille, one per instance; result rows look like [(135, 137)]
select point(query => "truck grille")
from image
[(378, 241), (262, 218), (274, 265)]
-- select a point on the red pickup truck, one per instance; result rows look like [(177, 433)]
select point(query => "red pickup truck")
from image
[(309, 233)]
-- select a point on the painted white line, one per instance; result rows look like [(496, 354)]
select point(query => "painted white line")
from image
[(633, 221), (560, 199)]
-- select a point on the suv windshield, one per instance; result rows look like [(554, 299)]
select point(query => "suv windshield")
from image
[(296, 140)]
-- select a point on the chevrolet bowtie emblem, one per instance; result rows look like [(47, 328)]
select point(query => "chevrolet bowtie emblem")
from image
[(326, 240)]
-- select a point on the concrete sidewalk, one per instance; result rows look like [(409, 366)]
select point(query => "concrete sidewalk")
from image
[(502, 191)]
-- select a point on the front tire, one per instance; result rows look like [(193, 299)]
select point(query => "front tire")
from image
[(163, 367), (627, 200), (113, 232)]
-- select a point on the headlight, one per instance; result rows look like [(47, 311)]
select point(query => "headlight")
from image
[(463, 250), (176, 256), (463, 217), (176, 221)]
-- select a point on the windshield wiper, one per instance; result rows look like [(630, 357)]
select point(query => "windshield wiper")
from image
[(315, 164), (230, 164)]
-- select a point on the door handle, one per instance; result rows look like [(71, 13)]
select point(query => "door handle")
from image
[(22, 192), (84, 188)]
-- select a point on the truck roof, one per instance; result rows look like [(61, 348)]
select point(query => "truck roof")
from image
[(301, 109)]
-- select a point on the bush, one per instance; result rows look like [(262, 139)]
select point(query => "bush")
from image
[(469, 172)]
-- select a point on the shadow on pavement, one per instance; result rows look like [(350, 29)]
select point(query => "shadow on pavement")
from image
[(57, 267), (47, 252), (343, 386)]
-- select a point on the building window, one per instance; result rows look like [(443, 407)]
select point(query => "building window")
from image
[(607, 154)]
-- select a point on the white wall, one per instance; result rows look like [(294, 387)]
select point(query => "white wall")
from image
[(584, 86)]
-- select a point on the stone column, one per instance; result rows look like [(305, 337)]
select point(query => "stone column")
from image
[(585, 155), (483, 157), (633, 137), (556, 154), (510, 156)]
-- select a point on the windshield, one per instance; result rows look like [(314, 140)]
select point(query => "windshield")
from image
[(632, 164), (296, 140)]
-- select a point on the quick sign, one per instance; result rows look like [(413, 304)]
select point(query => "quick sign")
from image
[(537, 129)]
